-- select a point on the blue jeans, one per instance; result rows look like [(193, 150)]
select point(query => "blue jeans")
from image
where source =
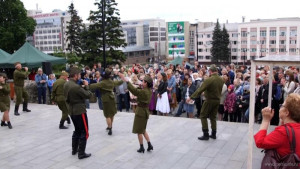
[(180, 108), (42, 93), (100, 103), (87, 103), (120, 102)]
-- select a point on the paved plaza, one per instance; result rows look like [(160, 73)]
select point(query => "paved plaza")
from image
[(36, 142)]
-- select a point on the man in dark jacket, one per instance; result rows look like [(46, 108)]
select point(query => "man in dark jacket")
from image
[(212, 88), (75, 98)]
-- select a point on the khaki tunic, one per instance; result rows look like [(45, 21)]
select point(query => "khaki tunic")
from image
[(19, 77), (57, 96), (75, 97), (4, 97), (142, 112), (106, 87)]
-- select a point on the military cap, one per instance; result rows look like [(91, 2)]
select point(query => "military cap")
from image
[(64, 74), (148, 79), (74, 71), (213, 68)]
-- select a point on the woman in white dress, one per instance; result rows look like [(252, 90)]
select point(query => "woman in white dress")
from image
[(162, 104)]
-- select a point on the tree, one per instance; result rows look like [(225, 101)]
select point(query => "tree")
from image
[(14, 25), (220, 51), (106, 32), (216, 51), (226, 57), (74, 29)]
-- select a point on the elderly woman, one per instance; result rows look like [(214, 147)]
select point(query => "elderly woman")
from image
[(142, 112), (290, 116)]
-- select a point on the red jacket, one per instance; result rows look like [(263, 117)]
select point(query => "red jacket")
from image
[(278, 139)]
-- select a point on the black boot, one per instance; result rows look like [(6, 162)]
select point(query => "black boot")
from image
[(75, 142), (110, 131), (68, 120), (150, 147), (213, 134), (25, 105), (16, 110), (61, 125), (141, 150), (205, 135), (9, 125), (3, 123), (81, 149)]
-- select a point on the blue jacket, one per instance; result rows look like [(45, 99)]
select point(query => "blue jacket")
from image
[(38, 79), (172, 83)]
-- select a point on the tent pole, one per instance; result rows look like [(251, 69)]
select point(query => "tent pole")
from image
[(251, 115), (270, 85)]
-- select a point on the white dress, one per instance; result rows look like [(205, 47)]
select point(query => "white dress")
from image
[(162, 104)]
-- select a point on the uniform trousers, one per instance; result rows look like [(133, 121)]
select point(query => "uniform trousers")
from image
[(81, 126)]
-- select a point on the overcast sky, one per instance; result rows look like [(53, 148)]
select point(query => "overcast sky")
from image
[(183, 10)]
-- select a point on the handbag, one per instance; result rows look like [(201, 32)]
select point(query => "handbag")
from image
[(272, 159)]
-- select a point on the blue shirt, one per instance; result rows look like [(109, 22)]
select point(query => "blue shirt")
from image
[(38, 79)]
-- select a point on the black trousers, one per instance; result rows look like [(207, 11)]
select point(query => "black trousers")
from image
[(81, 126)]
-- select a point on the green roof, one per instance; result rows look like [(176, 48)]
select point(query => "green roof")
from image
[(30, 57), (4, 55)]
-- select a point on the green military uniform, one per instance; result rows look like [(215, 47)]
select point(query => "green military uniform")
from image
[(142, 111), (19, 77), (4, 97), (213, 88), (75, 97), (58, 97), (106, 87)]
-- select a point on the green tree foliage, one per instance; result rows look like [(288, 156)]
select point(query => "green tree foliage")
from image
[(220, 51), (93, 36), (74, 29), (14, 25)]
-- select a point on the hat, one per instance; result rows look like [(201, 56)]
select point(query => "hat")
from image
[(213, 68), (74, 71), (64, 74), (148, 79), (106, 73), (231, 87)]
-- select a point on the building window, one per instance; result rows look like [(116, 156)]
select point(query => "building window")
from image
[(234, 42), (153, 29), (282, 42), (253, 49), (163, 39), (282, 50), (273, 50), (244, 33), (201, 57), (54, 42), (208, 42), (45, 37), (244, 42), (200, 50), (263, 33), (293, 33), (234, 50), (292, 50), (153, 34), (272, 42), (282, 33), (49, 42), (208, 35), (53, 36), (253, 42), (263, 50), (234, 35), (272, 33), (153, 39), (233, 57), (207, 57), (53, 30), (49, 31), (262, 42), (293, 42), (49, 36), (200, 43), (41, 43), (58, 30), (200, 35), (253, 34)]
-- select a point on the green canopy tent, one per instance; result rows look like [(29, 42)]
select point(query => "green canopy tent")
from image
[(178, 61), (4, 56), (30, 57)]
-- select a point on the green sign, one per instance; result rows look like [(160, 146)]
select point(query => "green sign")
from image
[(176, 27)]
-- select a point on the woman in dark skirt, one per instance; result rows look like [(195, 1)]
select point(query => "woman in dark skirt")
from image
[(142, 111), (4, 100)]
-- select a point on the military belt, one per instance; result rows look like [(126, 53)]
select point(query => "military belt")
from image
[(143, 105)]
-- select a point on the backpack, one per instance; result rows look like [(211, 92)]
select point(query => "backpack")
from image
[(278, 93), (272, 159)]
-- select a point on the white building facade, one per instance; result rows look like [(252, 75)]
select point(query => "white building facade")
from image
[(50, 31)]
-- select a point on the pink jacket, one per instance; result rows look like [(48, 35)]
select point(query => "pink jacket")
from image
[(229, 103)]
